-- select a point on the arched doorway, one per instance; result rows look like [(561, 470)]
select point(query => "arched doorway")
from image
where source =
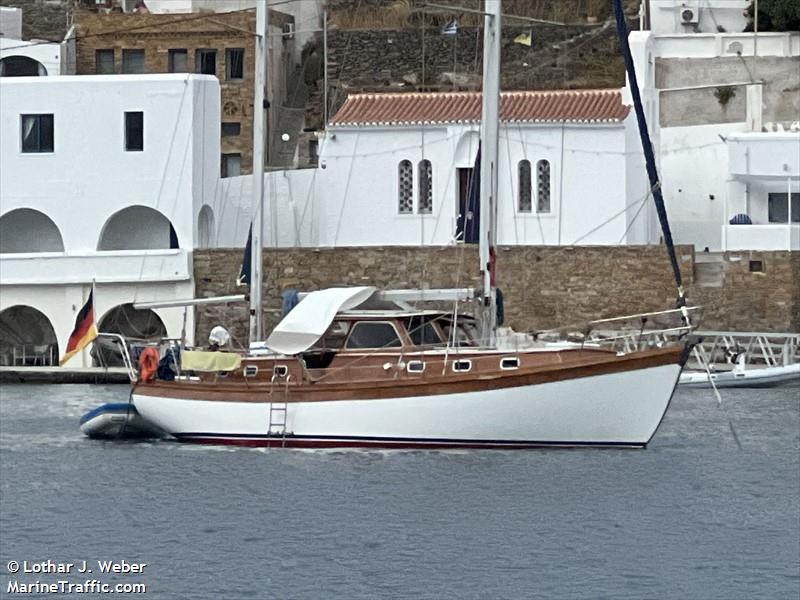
[(205, 227), (137, 228), (28, 230), (27, 338), (137, 326), (21, 66)]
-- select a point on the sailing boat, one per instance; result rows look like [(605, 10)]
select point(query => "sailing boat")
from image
[(356, 367)]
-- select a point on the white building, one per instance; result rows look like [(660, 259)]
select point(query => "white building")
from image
[(104, 180), (397, 168), (724, 114), (20, 58)]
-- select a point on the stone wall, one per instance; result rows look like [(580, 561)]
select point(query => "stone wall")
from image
[(543, 287), (706, 106)]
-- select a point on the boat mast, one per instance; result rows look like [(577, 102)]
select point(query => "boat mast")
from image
[(649, 157), (490, 117), (259, 138)]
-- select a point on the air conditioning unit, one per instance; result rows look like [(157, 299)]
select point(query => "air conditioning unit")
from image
[(690, 13), (288, 31)]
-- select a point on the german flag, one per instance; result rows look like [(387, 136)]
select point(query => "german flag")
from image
[(85, 330)]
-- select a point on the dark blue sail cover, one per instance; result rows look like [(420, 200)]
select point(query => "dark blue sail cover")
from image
[(244, 272), (647, 147)]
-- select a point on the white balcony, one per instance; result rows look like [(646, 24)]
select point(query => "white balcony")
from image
[(775, 236), (774, 155), (134, 266)]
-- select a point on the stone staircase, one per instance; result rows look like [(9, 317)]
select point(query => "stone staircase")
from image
[(289, 119)]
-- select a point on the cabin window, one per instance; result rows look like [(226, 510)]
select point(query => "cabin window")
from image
[(415, 366), (334, 338), (178, 60), (405, 187), (104, 62), (464, 334), (462, 366), (422, 331), (509, 363), (250, 371), (234, 64), (37, 133), (543, 186), (425, 174), (134, 131), (280, 370), (133, 61), (373, 335), (524, 205)]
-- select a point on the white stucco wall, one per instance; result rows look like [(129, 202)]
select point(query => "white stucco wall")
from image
[(290, 209), (358, 198), (89, 178), (665, 15)]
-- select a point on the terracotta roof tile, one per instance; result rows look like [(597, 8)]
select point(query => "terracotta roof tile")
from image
[(417, 108)]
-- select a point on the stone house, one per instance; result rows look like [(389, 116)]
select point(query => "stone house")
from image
[(219, 44)]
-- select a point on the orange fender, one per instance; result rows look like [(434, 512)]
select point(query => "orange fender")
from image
[(148, 364)]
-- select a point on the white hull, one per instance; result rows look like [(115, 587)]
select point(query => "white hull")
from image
[(618, 409), (752, 377)]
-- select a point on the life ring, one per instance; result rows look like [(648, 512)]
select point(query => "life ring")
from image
[(148, 364)]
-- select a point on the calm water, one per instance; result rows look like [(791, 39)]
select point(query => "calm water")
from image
[(702, 513)]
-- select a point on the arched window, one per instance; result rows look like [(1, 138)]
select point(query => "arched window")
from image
[(27, 338), (28, 230), (543, 186), (21, 66), (405, 187), (137, 228), (205, 227), (524, 204), (425, 174), (143, 325)]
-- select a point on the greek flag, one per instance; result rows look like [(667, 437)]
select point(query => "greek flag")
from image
[(451, 28)]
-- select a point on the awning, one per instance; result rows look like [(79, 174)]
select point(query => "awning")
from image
[(301, 328)]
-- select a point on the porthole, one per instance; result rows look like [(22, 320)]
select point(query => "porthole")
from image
[(280, 370), (250, 371), (462, 366), (415, 366), (509, 363)]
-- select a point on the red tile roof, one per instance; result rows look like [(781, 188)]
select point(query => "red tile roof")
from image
[(417, 108)]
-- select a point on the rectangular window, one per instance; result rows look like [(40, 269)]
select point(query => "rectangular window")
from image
[(37, 133), (178, 61), (133, 61), (231, 165), (206, 62), (104, 62), (134, 131), (778, 207), (231, 129), (234, 63)]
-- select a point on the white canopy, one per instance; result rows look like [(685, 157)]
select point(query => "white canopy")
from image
[(305, 324)]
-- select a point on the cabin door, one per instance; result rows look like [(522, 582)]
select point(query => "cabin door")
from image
[(468, 217)]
